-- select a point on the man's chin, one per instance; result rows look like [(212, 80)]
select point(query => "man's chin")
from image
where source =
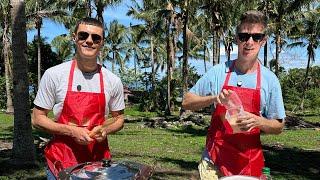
[(248, 58), (85, 57)]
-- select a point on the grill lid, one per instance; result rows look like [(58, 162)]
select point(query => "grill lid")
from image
[(107, 170)]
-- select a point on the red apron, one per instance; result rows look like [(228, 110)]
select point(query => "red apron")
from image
[(240, 153), (83, 109)]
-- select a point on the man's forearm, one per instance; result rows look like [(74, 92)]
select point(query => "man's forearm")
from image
[(271, 126), (114, 124), (195, 102), (42, 122)]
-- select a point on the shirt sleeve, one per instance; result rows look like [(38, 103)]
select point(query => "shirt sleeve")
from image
[(211, 82), (203, 87), (116, 102), (45, 97), (275, 107)]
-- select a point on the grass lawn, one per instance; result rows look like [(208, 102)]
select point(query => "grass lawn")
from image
[(174, 152)]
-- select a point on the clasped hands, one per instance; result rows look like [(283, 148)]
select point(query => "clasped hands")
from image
[(84, 136)]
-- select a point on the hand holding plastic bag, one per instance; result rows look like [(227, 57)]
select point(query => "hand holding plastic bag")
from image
[(234, 109)]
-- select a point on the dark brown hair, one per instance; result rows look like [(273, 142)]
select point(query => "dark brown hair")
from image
[(89, 21), (252, 17)]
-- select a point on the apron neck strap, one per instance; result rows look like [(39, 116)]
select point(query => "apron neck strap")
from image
[(231, 68), (73, 65), (101, 78)]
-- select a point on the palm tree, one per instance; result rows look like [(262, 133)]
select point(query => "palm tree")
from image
[(189, 10), (23, 152), (63, 46), (308, 35), (266, 6), (150, 36), (135, 49), (116, 44), (169, 16), (79, 8), (102, 4), (213, 9), (168, 22), (86, 7), (200, 40), (280, 16), (37, 10), (6, 51)]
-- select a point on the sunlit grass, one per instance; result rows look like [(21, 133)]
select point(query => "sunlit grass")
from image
[(6, 126), (133, 111)]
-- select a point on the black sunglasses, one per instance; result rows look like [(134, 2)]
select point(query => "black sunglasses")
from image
[(84, 35), (244, 37)]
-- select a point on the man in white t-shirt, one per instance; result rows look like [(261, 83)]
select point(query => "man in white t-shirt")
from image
[(81, 94)]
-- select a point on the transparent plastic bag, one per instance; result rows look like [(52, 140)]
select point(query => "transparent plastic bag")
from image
[(234, 109)]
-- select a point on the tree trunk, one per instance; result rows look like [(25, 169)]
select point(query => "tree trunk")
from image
[(100, 7), (185, 55), (88, 8), (265, 54), (276, 64), (135, 67), (306, 79), (204, 58), (228, 49), (153, 74), (7, 64), (113, 61), (214, 60), (218, 49), (38, 27), (169, 64), (23, 152)]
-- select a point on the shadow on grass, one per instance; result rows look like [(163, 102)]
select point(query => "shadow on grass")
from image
[(6, 133), (192, 130), (187, 165), (293, 161), (10, 171)]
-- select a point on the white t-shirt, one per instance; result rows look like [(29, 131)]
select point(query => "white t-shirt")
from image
[(54, 85)]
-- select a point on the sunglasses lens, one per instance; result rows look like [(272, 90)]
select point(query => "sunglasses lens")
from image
[(257, 37), (243, 37), (96, 38), (83, 35)]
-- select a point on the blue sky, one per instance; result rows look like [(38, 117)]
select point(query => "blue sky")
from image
[(296, 57)]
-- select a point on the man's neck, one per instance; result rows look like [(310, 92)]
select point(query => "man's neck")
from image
[(246, 66), (86, 65)]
